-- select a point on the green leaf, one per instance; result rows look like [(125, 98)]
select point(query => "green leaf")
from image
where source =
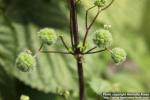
[(127, 82), (7, 91), (99, 86)]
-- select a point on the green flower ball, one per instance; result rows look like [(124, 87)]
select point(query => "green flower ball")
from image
[(100, 3), (118, 55), (24, 97), (25, 61), (48, 36), (103, 38)]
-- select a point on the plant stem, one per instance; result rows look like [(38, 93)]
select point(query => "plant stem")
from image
[(95, 51), (60, 52), (71, 31), (64, 43), (89, 27), (77, 51), (81, 79), (91, 49), (86, 22), (74, 23), (40, 47), (108, 5)]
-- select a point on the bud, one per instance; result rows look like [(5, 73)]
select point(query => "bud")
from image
[(81, 47), (118, 55), (100, 3), (48, 36), (25, 61), (66, 94), (107, 27), (24, 97), (103, 38), (63, 92)]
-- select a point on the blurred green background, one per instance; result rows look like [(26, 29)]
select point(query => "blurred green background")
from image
[(21, 19)]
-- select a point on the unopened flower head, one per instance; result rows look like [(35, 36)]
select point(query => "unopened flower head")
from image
[(25, 61), (24, 97), (118, 55), (107, 26), (103, 38), (100, 3), (48, 36)]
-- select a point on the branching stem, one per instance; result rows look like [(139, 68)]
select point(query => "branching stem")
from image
[(86, 16), (89, 27), (77, 51), (64, 43), (75, 39), (95, 52), (60, 52), (108, 5), (98, 12), (41, 47), (91, 49)]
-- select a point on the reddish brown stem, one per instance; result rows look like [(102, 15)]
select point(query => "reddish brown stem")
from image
[(77, 51), (89, 27), (86, 16), (81, 79)]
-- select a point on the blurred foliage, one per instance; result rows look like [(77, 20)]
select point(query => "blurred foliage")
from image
[(21, 19)]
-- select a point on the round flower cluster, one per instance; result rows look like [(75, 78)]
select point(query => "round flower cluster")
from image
[(100, 3), (118, 55), (103, 38), (24, 97), (25, 61), (48, 36)]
